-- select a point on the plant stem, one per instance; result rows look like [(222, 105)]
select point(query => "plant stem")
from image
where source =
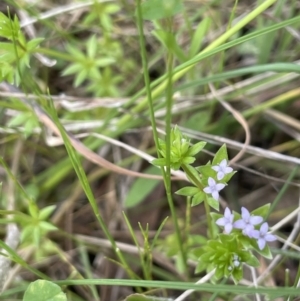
[(166, 173), (146, 73)]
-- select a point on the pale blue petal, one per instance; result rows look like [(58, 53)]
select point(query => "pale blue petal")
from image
[(221, 221), (227, 213), (223, 163), (270, 237), (264, 228), (240, 224), (228, 228), (255, 234), (215, 195), (248, 230), (207, 190), (215, 168), (220, 175), (211, 182), (255, 220), (245, 213), (228, 170), (220, 186), (261, 243)]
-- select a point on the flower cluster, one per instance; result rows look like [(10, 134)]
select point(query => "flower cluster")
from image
[(225, 252), (247, 224), (213, 187)]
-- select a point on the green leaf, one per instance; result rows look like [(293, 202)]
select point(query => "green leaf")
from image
[(207, 172), (31, 45), (112, 8), (201, 266), (159, 162), (47, 226), (19, 119), (262, 211), (46, 212), (237, 275), (188, 191), (91, 47), (198, 36), (158, 9), (105, 61), (198, 198), (36, 234), (141, 188), (73, 68), (30, 125), (27, 233), (253, 261), (10, 29), (76, 53), (80, 77), (213, 203), (43, 290), (220, 155), (196, 148), (219, 273), (245, 241), (33, 210), (188, 160), (266, 252)]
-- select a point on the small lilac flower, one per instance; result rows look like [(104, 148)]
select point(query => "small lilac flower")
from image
[(262, 236), (213, 188), (247, 222), (222, 169), (226, 221)]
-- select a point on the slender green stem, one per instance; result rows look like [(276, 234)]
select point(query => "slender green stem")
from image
[(87, 189), (56, 54), (168, 121), (146, 73), (209, 219), (166, 173)]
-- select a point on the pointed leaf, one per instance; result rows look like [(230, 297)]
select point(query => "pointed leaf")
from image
[(46, 212), (262, 211), (159, 162), (253, 261), (196, 148), (206, 171), (198, 36), (198, 198), (188, 191), (220, 155), (213, 203)]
